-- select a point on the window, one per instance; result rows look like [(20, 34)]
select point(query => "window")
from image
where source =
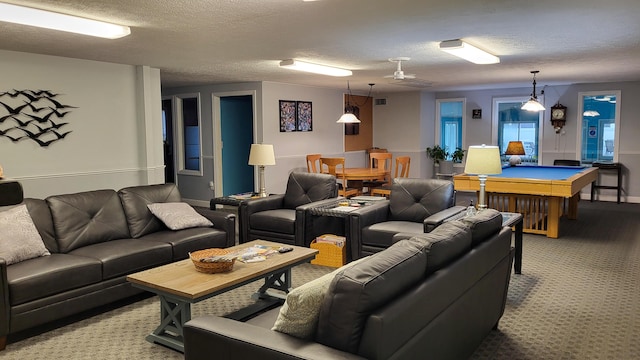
[(510, 123), (189, 134), (449, 123), (598, 135)]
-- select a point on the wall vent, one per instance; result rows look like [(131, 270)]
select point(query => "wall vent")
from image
[(381, 102)]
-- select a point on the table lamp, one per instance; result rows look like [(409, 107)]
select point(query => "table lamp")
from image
[(515, 149), (483, 160), (261, 155)]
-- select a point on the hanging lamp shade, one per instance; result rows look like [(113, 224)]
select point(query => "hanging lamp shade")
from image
[(533, 104)]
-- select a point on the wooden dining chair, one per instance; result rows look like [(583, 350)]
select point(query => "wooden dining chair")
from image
[(332, 164), (313, 163), (379, 160), (403, 163)]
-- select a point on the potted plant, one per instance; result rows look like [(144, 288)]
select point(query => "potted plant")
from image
[(442, 157), (457, 155), (437, 153)]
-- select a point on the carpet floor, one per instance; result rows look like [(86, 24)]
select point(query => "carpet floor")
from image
[(578, 297)]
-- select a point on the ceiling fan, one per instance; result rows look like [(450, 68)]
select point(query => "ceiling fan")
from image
[(399, 74), (400, 78)]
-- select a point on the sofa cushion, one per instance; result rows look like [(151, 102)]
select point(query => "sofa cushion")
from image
[(303, 188), (278, 221), (49, 275), (483, 224), (381, 234), (126, 256), (135, 200), (185, 241), (19, 238), (87, 218), (299, 314), (364, 287), (444, 244), (417, 199), (41, 216), (178, 215)]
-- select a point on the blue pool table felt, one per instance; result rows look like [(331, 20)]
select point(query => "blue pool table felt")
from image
[(539, 172)]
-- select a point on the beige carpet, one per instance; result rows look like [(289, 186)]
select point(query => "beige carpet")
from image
[(578, 298)]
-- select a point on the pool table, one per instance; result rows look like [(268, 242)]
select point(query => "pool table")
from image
[(537, 192)]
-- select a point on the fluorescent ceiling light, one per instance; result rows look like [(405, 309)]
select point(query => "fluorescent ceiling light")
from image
[(468, 52), (314, 68), (56, 21)]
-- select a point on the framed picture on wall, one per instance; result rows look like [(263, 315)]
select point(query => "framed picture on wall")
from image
[(287, 115), (304, 119)]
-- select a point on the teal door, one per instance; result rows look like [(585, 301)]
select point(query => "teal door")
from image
[(236, 122)]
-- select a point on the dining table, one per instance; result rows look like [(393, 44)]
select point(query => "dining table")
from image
[(357, 176)]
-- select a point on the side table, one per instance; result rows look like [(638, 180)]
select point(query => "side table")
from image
[(515, 219), (333, 209), (617, 167)]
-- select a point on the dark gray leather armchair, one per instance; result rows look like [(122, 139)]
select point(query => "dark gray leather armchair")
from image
[(414, 206), (282, 218)]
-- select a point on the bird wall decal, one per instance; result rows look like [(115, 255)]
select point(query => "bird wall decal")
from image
[(24, 108)]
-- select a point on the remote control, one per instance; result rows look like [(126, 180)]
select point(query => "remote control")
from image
[(284, 249)]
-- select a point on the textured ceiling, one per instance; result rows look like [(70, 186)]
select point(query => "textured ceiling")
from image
[(224, 41)]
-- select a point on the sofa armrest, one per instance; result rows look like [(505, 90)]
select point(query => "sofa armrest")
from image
[(365, 216), (5, 307), (222, 221), (209, 337), (441, 217)]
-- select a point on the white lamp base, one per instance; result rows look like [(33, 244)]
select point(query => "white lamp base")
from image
[(515, 160), (263, 191)]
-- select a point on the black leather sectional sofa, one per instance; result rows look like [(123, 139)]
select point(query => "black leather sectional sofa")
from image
[(431, 296), (96, 239)]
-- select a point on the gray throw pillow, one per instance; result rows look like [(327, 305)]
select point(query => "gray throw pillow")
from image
[(178, 215), (19, 238)]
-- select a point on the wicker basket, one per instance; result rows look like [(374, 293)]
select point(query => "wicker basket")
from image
[(211, 267), (329, 254)]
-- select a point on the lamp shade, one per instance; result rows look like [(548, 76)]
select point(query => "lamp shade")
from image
[(262, 154), (348, 118), (483, 160), (515, 148), (533, 105)]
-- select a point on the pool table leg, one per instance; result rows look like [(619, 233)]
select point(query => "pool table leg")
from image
[(553, 217), (572, 212)]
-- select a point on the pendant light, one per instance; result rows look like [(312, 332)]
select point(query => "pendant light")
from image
[(533, 104), (349, 116)]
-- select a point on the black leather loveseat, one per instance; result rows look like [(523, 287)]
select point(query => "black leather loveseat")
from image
[(95, 239), (432, 296)]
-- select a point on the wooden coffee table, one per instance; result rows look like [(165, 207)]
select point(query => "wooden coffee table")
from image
[(178, 285)]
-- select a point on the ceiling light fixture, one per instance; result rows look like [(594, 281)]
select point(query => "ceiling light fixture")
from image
[(351, 111), (57, 21), (314, 68), (468, 52), (533, 104)]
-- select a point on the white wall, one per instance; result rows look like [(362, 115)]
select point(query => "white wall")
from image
[(114, 127), (405, 127), (290, 148)]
